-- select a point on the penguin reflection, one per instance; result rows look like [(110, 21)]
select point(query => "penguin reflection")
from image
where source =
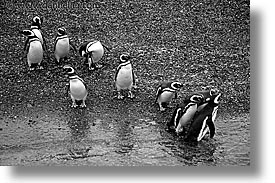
[(125, 135), (79, 126)]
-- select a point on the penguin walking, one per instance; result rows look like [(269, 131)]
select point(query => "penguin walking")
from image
[(184, 113), (166, 92), (34, 49), (62, 45), (203, 120), (77, 88), (93, 51), (124, 78)]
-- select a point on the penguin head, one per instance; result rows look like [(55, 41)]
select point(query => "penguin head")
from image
[(124, 58), (216, 98), (37, 21), (61, 31), (210, 95), (176, 85), (69, 70), (27, 33), (206, 94), (196, 98)]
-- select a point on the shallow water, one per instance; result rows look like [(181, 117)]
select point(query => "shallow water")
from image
[(83, 138)]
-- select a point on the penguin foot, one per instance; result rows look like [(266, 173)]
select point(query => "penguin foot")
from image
[(74, 105), (92, 68), (57, 61), (170, 128), (130, 95), (162, 109), (83, 105), (180, 132), (98, 66), (120, 97)]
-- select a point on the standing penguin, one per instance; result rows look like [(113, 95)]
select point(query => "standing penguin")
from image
[(77, 88), (184, 113), (124, 78), (203, 120), (62, 45), (166, 92), (34, 49), (93, 51)]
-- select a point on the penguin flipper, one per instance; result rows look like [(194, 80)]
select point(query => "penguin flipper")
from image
[(25, 50), (26, 44), (117, 70), (211, 127), (67, 90), (175, 118), (44, 41), (45, 47), (73, 46), (91, 64), (159, 91), (106, 47), (134, 78)]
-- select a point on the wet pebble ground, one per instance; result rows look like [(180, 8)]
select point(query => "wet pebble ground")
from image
[(203, 44)]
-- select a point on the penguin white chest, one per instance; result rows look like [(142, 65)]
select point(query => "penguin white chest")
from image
[(35, 54), (62, 47), (77, 89), (97, 51), (124, 78), (186, 118), (188, 115), (166, 96)]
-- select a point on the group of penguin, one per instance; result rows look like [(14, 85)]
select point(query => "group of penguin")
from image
[(192, 119)]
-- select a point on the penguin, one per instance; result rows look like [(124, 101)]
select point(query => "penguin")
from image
[(33, 48), (166, 92), (93, 51), (124, 77), (184, 113), (62, 45), (77, 88), (203, 120)]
